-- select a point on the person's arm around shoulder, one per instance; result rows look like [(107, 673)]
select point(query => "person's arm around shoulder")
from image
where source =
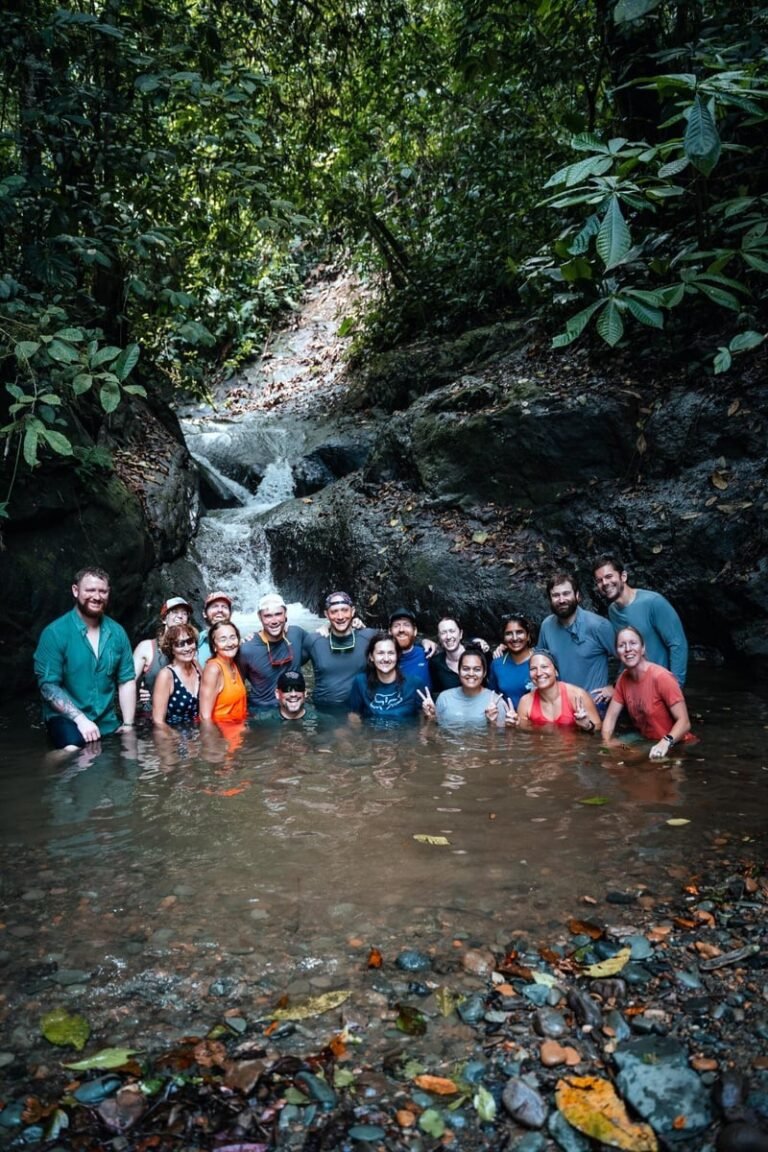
[(210, 686), (680, 728), (585, 713)]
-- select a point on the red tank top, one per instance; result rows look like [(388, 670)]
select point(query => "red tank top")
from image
[(565, 719)]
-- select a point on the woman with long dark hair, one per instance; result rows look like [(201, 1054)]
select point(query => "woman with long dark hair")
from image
[(382, 690)]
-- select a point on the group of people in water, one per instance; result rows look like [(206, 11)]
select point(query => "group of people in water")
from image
[(182, 676)]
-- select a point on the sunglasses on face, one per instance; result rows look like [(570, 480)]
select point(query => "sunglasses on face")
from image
[(185, 643)]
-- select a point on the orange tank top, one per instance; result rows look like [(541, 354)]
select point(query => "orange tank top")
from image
[(232, 702)]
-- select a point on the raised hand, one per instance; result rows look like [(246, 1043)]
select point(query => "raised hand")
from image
[(427, 703), (579, 711), (492, 711), (511, 718)]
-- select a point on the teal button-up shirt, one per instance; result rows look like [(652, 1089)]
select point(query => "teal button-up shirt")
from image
[(65, 660)]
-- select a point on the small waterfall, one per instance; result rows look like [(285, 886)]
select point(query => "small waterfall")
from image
[(231, 548)]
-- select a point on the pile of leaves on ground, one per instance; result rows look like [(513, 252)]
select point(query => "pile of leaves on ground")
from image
[(644, 1028)]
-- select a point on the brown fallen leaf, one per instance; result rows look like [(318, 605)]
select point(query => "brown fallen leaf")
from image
[(584, 928), (719, 481)]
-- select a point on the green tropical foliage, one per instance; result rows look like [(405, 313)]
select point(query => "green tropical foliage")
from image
[(168, 168)]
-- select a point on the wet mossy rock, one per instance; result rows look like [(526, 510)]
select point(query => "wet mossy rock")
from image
[(129, 521), (57, 526)]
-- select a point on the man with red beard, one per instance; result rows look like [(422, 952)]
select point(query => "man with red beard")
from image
[(82, 660)]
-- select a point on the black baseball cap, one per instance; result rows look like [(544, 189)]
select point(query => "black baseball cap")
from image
[(402, 614), (291, 682)]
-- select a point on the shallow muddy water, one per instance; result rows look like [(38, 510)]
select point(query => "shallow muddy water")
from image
[(139, 881)]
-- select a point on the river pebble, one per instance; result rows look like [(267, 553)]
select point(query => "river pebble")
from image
[(548, 1022), (524, 1103), (478, 963), (654, 1077), (410, 960)]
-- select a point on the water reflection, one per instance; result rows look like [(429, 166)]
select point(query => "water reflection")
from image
[(151, 860)]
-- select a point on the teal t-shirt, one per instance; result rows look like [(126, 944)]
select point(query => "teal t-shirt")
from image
[(65, 660)]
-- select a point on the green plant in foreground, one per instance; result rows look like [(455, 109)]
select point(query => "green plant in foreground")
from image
[(54, 373)]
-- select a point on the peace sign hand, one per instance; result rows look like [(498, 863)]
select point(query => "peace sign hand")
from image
[(492, 711), (580, 712), (427, 703), (511, 718)]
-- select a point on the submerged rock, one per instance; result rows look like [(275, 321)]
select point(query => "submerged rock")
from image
[(654, 1077)]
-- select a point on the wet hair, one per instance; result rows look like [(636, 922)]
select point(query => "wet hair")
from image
[(520, 619), (99, 573), (611, 558), (474, 650), (214, 629), (371, 674), (629, 628), (545, 652), (172, 635), (563, 576)]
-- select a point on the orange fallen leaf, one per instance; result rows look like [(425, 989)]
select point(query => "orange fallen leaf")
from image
[(437, 1084), (337, 1046), (584, 928), (679, 1122), (270, 1028), (375, 958)]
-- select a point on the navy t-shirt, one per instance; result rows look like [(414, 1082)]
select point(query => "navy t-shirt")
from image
[(389, 701)]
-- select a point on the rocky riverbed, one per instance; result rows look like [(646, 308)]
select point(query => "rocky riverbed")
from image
[(639, 1023)]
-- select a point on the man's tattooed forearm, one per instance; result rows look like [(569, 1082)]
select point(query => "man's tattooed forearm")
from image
[(59, 700)]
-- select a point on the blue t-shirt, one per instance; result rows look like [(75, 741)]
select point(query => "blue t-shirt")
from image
[(582, 648), (415, 664), (661, 628), (511, 679), (388, 701)]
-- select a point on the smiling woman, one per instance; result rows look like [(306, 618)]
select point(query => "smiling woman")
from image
[(651, 695), (222, 692), (382, 690)]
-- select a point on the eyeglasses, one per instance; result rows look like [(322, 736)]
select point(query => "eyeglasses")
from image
[(189, 643)]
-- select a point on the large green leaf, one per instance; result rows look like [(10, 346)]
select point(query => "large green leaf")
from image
[(576, 325), (746, 341), (109, 395), (610, 325), (64, 1030), (126, 362), (614, 239), (64, 353), (57, 441), (701, 140), (652, 317)]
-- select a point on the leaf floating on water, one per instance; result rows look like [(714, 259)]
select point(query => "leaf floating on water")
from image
[(422, 838), (63, 1030), (440, 1085), (432, 1123), (591, 1105), (594, 801), (445, 1000), (315, 1006), (410, 1020), (610, 966), (106, 1058), (677, 821)]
